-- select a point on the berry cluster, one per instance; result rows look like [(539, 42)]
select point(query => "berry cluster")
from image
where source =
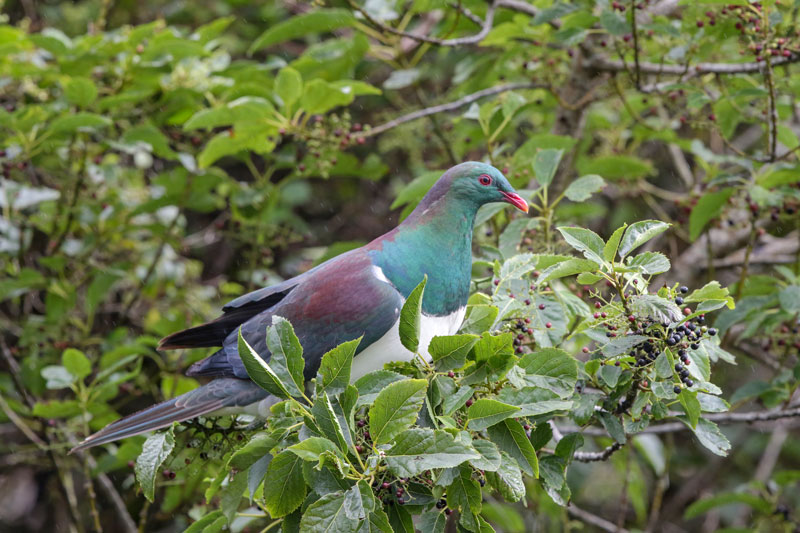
[(392, 492), (325, 138)]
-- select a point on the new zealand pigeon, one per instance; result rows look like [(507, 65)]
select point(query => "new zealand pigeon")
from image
[(360, 292)]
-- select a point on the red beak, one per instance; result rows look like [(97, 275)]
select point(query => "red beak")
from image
[(516, 200)]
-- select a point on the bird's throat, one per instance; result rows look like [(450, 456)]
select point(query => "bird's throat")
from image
[(436, 241)]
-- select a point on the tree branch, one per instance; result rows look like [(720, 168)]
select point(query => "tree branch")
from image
[(719, 418), (609, 65), (589, 457), (452, 106)]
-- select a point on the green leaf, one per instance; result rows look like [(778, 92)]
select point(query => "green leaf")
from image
[(245, 109), (552, 369), (256, 448), (568, 445), (545, 165), (208, 523), (557, 10), (57, 409), (711, 291), (369, 385), (789, 299), (663, 366), (231, 495), (611, 247), (78, 122), (156, 449), (260, 371), (661, 309), (614, 427), (464, 493), (287, 355), (334, 370), (486, 412), (57, 377), (650, 262), (410, 317), (400, 79), (533, 401), (450, 352), (328, 422), (396, 408), (76, 363), (328, 514), (510, 437), (80, 92), (489, 459), (432, 521), (709, 435), (708, 207), (570, 267), (311, 448), (584, 187), (489, 346), (284, 486), (776, 178), (230, 143), (702, 506), (616, 167), (639, 233), (517, 266), (419, 449), (321, 20), (451, 403), (620, 345), (288, 86), (613, 23), (610, 374), (586, 241), (690, 406), (319, 97), (479, 318), (586, 278), (507, 479)]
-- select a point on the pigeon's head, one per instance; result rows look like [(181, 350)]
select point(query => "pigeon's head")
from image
[(483, 184)]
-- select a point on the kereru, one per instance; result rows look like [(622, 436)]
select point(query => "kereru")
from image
[(360, 292)]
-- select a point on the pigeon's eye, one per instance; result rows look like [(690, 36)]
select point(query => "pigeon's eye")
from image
[(485, 179)]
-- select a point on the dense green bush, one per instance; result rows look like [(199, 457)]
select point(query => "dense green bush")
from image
[(155, 167)]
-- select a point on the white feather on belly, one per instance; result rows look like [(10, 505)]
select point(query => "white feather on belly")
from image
[(389, 348)]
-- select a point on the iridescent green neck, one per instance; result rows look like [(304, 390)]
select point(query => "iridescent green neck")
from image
[(436, 239)]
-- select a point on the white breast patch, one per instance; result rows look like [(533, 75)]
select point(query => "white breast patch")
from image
[(389, 348)]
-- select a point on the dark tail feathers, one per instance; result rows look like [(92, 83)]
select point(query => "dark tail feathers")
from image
[(225, 392)]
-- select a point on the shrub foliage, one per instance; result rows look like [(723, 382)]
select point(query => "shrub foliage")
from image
[(155, 162)]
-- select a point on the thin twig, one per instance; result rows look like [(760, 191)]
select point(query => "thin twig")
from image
[(773, 110), (594, 520), (637, 72), (467, 13), (452, 106), (152, 268), (458, 41)]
